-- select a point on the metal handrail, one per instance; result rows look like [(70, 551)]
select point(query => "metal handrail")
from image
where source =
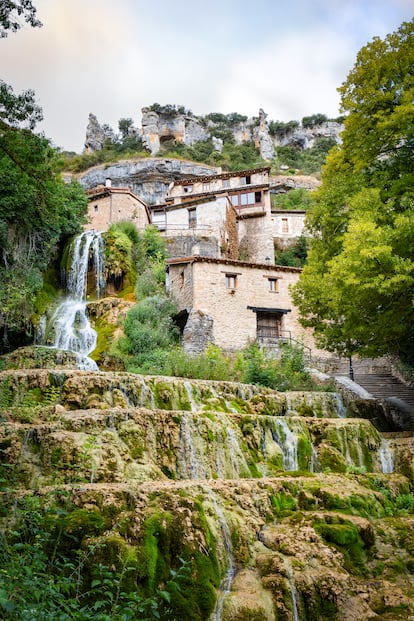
[(280, 336)]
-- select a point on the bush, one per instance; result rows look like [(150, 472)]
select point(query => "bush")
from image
[(149, 326)]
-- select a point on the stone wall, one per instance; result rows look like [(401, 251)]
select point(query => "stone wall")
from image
[(109, 207), (200, 284), (286, 225)]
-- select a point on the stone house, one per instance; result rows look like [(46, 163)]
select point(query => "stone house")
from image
[(232, 303), (107, 205), (287, 226), (227, 215)]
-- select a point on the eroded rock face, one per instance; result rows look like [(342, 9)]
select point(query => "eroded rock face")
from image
[(148, 178), (95, 135), (282, 488), (158, 127)]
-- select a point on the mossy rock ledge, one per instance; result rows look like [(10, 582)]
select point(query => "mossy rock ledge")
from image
[(309, 514)]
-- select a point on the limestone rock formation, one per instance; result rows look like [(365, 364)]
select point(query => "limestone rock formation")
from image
[(148, 178), (158, 127), (262, 138), (95, 135), (230, 477)]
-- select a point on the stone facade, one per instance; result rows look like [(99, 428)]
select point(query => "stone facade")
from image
[(203, 209), (287, 225), (236, 296), (108, 205)]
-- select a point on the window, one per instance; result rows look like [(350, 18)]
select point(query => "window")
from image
[(206, 186), (188, 189), (95, 208), (226, 183), (231, 281), (272, 285), (285, 225), (246, 199), (192, 218), (245, 180)]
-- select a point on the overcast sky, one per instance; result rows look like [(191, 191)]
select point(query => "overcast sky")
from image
[(113, 57)]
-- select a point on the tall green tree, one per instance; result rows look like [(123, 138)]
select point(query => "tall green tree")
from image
[(37, 209), (357, 290)]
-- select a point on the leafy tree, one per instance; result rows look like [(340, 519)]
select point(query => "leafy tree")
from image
[(37, 209), (294, 199), (358, 286), (11, 13), (314, 120)]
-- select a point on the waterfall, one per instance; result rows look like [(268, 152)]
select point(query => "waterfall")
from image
[(387, 457), (293, 589), (190, 394), (189, 466), (340, 406), (288, 442), (225, 584), (69, 324)]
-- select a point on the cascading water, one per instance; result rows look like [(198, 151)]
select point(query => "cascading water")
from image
[(293, 589), (387, 457), (226, 582), (69, 328), (288, 441)]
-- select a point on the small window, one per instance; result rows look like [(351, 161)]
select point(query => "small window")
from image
[(95, 208), (188, 189), (235, 200), (245, 180), (192, 218), (231, 281), (181, 280), (206, 186), (272, 285), (226, 183), (285, 225), (258, 197)]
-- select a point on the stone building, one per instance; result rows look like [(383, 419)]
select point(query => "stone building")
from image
[(287, 226), (108, 205), (232, 303), (227, 215)]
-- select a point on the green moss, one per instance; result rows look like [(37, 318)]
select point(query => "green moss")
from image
[(105, 332), (304, 452), (344, 536), (331, 459), (83, 523), (283, 504)]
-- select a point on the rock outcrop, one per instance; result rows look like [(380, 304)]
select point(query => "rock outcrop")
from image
[(95, 135), (170, 124), (282, 506), (148, 178)]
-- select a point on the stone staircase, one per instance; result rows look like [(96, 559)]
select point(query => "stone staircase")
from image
[(376, 379)]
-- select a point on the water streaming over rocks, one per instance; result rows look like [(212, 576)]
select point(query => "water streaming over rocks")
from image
[(69, 328), (227, 553), (251, 490), (387, 456)]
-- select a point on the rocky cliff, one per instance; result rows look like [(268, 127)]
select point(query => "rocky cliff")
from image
[(287, 506), (148, 178), (163, 124)]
